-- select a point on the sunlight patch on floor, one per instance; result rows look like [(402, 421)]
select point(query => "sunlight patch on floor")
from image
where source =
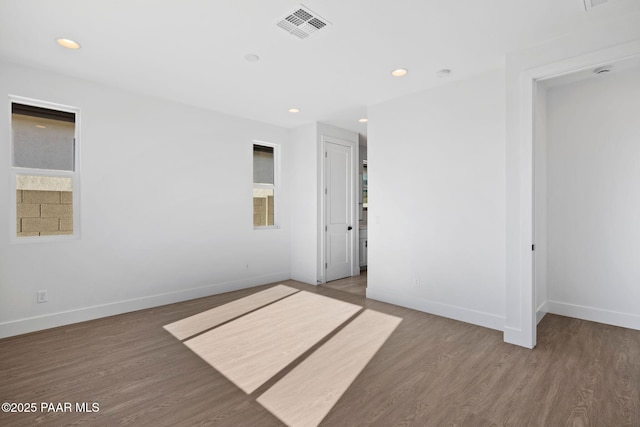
[(272, 328)]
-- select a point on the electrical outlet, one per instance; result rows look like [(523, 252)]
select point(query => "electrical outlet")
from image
[(41, 296)]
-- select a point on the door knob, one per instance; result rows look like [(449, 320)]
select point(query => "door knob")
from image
[(349, 228)]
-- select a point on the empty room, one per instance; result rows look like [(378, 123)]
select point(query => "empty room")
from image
[(335, 213)]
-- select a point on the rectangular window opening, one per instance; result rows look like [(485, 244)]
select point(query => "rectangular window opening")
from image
[(44, 169)]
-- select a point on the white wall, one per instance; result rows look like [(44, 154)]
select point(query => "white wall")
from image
[(166, 208), (437, 200), (594, 198)]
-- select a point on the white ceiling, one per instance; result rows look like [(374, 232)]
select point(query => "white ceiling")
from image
[(192, 51)]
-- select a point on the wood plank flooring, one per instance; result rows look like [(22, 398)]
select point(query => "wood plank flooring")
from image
[(356, 285), (430, 372), (255, 347), (307, 393), (200, 322)]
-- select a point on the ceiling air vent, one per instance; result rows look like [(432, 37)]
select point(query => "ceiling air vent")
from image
[(302, 22), (589, 4)]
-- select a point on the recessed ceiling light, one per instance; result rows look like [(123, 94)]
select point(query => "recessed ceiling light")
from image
[(363, 120), (399, 72), (68, 43), (252, 57), (294, 110), (443, 73), (41, 127)]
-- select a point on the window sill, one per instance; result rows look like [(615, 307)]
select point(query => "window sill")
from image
[(44, 239)]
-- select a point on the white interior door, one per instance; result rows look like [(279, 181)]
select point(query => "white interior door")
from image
[(339, 205)]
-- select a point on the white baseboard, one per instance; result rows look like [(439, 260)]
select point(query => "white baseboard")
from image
[(304, 278), (38, 323), (615, 318), (474, 317), (541, 311)]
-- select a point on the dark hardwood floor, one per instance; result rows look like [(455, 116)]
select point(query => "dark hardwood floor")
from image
[(431, 372)]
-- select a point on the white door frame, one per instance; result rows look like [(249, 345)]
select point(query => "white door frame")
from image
[(355, 268), (524, 296)]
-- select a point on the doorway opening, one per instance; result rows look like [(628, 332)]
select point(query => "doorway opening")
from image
[(586, 197), (521, 318), (342, 215)]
